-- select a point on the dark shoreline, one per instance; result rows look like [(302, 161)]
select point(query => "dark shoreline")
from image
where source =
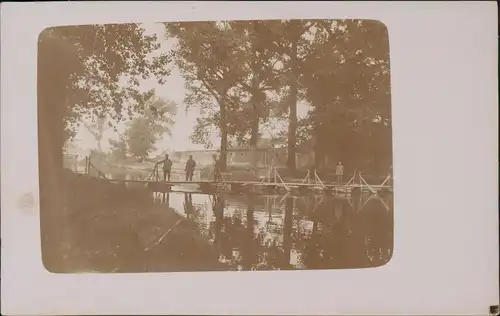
[(106, 227)]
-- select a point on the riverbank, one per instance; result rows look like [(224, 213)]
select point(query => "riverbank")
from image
[(104, 227)]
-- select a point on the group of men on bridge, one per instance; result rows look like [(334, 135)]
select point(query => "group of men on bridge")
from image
[(191, 165), (189, 168)]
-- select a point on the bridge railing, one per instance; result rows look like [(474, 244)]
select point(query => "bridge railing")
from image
[(92, 170), (155, 175)]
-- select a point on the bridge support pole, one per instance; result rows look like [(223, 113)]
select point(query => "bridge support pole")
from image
[(386, 180)]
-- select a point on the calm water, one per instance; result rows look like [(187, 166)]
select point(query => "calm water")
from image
[(138, 231), (285, 232)]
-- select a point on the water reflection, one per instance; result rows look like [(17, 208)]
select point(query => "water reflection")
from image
[(276, 232), (126, 228)]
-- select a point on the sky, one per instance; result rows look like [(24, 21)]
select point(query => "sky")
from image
[(174, 90)]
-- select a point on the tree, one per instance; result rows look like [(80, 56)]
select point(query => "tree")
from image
[(260, 81), (291, 39), (140, 139), (346, 79), (209, 57), (119, 148), (81, 71), (241, 86), (97, 129), (160, 113), (145, 130)]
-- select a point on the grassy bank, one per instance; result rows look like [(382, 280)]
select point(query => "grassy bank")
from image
[(106, 227)]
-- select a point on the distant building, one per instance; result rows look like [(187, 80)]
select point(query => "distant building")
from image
[(267, 152)]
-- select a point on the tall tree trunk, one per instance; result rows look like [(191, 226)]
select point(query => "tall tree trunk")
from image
[(292, 121), (52, 79), (318, 153), (224, 134), (254, 137), (100, 132), (321, 147), (254, 134), (255, 99)]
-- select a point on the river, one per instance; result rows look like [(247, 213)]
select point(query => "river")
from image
[(286, 232), (139, 231)]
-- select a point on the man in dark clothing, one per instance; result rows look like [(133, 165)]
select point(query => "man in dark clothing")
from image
[(167, 167), (339, 171), (217, 168), (190, 165)]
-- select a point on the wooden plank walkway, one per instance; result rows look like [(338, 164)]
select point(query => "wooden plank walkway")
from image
[(245, 183), (272, 183), (252, 186)]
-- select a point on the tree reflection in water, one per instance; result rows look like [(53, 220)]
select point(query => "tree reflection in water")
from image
[(135, 232), (312, 232)]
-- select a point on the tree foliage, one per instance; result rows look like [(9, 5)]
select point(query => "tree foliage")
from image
[(88, 71), (140, 139), (208, 55), (260, 80), (119, 148), (238, 74), (346, 79), (339, 67), (97, 129), (145, 130), (290, 39)]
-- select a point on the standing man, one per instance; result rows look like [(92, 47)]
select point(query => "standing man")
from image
[(339, 171), (167, 167), (190, 165), (217, 168)]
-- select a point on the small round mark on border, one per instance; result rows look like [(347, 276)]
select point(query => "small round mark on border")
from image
[(27, 202)]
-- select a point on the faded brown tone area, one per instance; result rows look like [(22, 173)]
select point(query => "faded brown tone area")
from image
[(252, 214)]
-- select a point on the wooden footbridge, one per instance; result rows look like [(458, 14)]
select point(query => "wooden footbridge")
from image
[(272, 183)]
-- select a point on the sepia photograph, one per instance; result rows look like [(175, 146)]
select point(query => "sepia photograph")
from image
[(215, 146), (249, 158)]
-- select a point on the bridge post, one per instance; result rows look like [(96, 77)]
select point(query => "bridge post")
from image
[(386, 180)]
